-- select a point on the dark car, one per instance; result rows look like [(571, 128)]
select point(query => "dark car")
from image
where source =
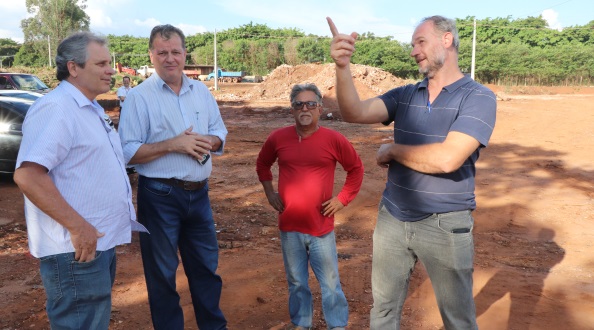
[(12, 115), (22, 81), (20, 94)]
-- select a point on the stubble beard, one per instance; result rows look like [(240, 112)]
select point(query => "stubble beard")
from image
[(434, 64)]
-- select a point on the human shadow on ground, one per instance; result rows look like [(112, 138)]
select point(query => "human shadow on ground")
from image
[(523, 279)]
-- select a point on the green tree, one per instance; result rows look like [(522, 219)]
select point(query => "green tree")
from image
[(53, 19), (508, 51), (580, 34), (129, 51), (203, 55), (8, 48), (389, 55), (233, 55), (312, 50), (290, 55), (28, 56), (263, 56), (199, 40)]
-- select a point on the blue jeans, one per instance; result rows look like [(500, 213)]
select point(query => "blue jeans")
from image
[(298, 249), (78, 293), (179, 219), (444, 244)]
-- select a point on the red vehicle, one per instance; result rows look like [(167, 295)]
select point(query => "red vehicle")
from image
[(22, 81), (125, 69)]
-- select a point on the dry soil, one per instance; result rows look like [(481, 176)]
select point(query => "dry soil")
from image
[(533, 235)]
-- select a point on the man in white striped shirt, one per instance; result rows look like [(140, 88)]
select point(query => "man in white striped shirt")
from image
[(169, 126), (78, 200)]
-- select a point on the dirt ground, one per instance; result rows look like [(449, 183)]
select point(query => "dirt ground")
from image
[(533, 226)]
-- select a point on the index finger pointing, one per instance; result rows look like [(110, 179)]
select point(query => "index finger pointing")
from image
[(333, 28)]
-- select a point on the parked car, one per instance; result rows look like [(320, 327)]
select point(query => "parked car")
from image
[(12, 115), (20, 94), (22, 81)]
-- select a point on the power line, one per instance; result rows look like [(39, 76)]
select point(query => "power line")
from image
[(559, 4)]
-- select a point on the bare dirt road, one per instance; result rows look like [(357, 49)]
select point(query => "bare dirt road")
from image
[(534, 268)]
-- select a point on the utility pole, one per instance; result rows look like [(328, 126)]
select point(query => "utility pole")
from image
[(473, 51), (216, 68), (49, 50)]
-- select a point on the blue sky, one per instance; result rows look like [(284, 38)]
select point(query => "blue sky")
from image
[(382, 17)]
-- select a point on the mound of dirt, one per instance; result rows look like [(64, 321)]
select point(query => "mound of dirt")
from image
[(369, 81)]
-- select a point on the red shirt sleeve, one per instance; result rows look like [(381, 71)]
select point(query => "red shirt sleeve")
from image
[(266, 158), (351, 162)]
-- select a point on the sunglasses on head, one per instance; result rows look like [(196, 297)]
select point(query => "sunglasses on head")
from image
[(298, 105)]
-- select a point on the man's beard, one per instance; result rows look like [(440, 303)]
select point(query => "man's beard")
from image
[(434, 65)]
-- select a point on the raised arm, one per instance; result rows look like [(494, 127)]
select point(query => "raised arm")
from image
[(352, 108)]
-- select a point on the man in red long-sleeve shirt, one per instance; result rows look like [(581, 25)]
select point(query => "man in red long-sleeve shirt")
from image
[(307, 155)]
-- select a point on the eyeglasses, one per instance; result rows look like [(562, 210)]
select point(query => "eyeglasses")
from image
[(298, 105)]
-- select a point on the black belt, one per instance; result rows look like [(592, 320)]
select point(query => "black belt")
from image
[(185, 185)]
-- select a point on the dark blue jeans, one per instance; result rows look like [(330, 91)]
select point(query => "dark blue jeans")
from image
[(78, 293), (179, 219)]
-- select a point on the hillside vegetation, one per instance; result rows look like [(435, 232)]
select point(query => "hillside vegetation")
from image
[(509, 52)]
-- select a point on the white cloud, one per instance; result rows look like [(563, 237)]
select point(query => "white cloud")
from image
[(552, 18), (149, 22), (109, 16), (99, 20), (13, 7), (11, 14), (189, 29), (352, 15), (10, 34)]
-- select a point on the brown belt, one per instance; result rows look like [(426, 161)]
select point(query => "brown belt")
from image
[(186, 185)]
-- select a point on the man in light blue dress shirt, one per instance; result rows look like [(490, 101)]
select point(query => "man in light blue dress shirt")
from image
[(169, 127), (78, 200)]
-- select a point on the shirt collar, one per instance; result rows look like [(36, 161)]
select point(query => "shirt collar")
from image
[(186, 85), (449, 88), (81, 100)]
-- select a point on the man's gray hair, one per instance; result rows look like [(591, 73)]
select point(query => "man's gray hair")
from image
[(444, 25), (74, 48), (165, 31), (306, 87)]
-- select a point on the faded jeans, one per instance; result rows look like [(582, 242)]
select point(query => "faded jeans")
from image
[(444, 244), (299, 249), (78, 293)]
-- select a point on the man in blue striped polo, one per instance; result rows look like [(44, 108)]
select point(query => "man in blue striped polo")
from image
[(440, 125)]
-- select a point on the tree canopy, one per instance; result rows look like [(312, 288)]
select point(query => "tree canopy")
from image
[(509, 51), (8, 48), (53, 21)]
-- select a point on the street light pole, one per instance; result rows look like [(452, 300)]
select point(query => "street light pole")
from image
[(473, 51), (216, 71), (49, 50)]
